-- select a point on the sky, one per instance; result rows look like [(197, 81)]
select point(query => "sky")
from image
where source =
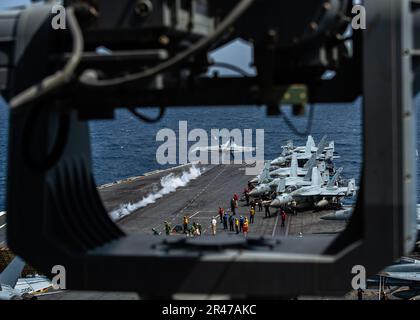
[(8, 3)]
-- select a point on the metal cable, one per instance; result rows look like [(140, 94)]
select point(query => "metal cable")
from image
[(293, 128), (200, 45), (60, 77)]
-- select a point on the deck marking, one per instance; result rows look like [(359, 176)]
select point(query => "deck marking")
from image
[(287, 226), (275, 226), (195, 214)]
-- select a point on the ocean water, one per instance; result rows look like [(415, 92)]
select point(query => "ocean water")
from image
[(126, 147), (132, 148)]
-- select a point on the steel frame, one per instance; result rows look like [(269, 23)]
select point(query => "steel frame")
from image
[(52, 207)]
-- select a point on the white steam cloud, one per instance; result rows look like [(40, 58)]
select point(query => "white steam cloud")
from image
[(168, 183)]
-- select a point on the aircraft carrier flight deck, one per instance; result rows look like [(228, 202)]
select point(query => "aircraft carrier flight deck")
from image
[(200, 200)]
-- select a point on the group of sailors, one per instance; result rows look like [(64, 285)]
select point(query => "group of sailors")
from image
[(232, 223), (256, 202), (190, 230), (260, 203)]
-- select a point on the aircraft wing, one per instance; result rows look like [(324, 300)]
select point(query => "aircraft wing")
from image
[(333, 192), (33, 285), (409, 276), (307, 193)]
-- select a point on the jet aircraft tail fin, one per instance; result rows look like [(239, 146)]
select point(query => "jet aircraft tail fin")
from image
[(308, 166), (334, 179), (321, 145), (294, 166), (12, 272), (281, 187), (316, 177)]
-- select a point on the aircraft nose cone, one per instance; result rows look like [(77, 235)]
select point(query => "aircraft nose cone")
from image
[(254, 180), (254, 193), (277, 162), (275, 203)]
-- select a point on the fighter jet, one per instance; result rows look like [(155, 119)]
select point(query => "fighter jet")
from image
[(305, 156), (227, 147), (284, 182), (284, 156), (403, 274), (8, 279), (305, 152), (264, 176), (286, 171), (316, 195)]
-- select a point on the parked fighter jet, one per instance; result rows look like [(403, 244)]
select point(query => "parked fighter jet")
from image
[(264, 176), (284, 182), (316, 195), (402, 274), (12, 287), (305, 156), (305, 152), (8, 280), (286, 152)]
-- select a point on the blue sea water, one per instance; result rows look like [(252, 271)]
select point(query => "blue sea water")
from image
[(125, 147), (128, 147)]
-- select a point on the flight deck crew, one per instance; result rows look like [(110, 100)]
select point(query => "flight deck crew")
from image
[(196, 230), (267, 211), (360, 294), (251, 215), (241, 223), (233, 206), (259, 205), (221, 212), (185, 222), (213, 226), (246, 194), (200, 229), (225, 221), (246, 227), (237, 225), (283, 217), (231, 223), (252, 204), (167, 228)]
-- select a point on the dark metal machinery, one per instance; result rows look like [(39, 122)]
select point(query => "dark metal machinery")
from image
[(54, 214)]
